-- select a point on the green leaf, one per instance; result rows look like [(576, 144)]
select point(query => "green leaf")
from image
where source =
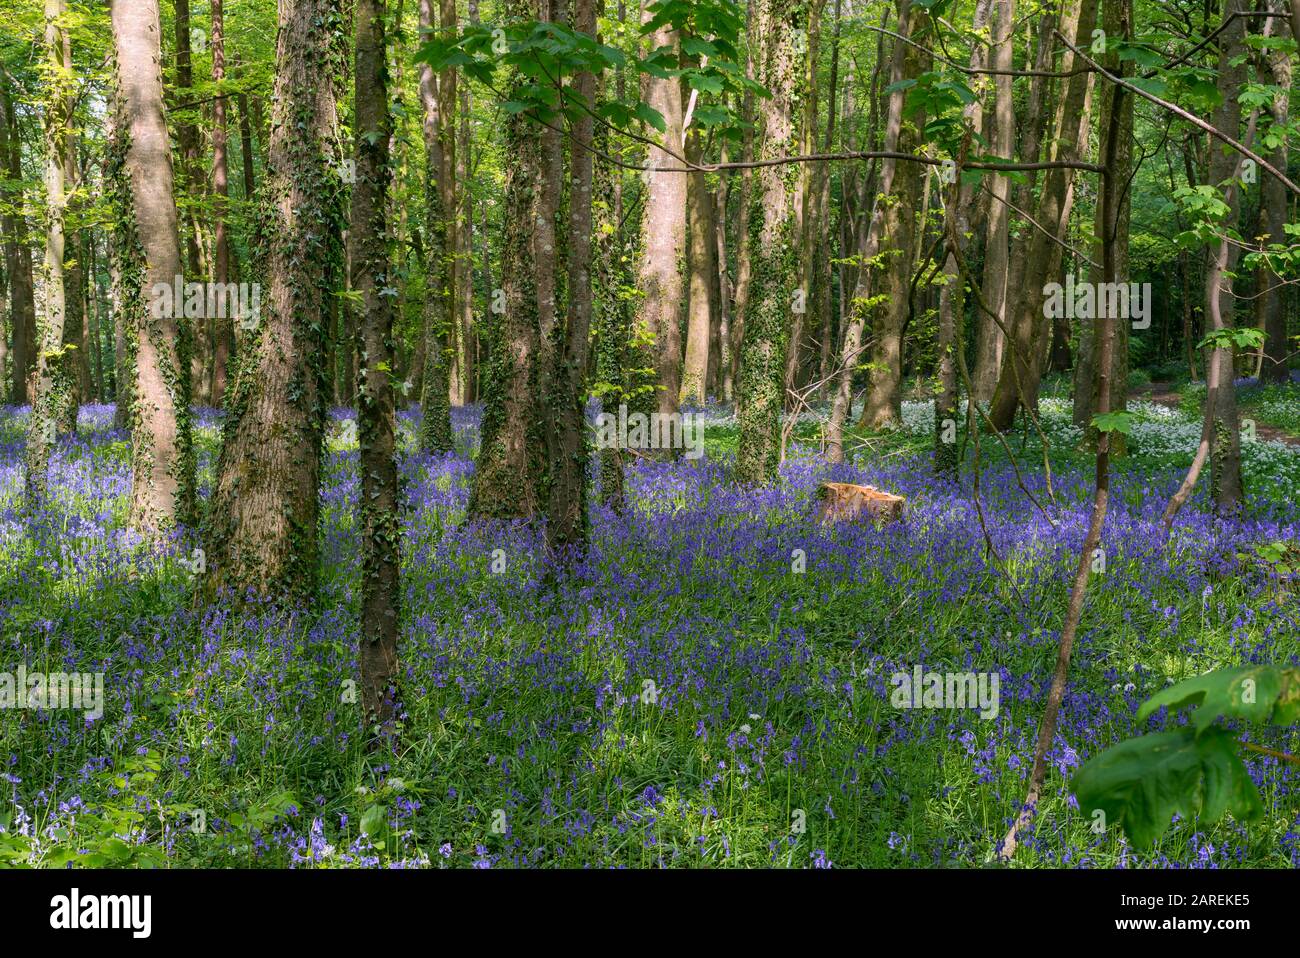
[(1257, 693), (374, 821), (648, 114), (1140, 784), (1114, 422)]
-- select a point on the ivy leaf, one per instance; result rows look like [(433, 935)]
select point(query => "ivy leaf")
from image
[(1140, 784)]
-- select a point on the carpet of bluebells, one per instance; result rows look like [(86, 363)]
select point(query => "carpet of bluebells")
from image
[(682, 696)]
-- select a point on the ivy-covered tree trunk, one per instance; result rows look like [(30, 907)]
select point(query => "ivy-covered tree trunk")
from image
[(190, 183), (262, 528), (376, 422), (162, 454), (775, 247), (53, 383), (18, 255), (663, 233), (567, 452), (438, 100), (466, 358), (508, 464)]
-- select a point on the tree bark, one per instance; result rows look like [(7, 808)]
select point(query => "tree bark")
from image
[(438, 100), (376, 425), (775, 248), (162, 455), (1017, 384), (18, 255), (54, 385), (223, 331), (262, 530), (506, 471), (701, 268), (663, 235)]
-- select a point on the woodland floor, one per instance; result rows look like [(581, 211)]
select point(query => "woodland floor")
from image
[(528, 735)]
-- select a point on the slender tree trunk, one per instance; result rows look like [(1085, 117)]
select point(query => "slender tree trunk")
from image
[(223, 327), (18, 255), (464, 278), (438, 100), (190, 184), (988, 337), (1086, 397), (53, 384), (1112, 106), (852, 349), (1221, 395), (1273, 197), (262, 530), (1021, 367), (376, 425), (700, 267), (162, 454), (76, 371), (94, 294), (246, 148), (775, 248), (744, 259)]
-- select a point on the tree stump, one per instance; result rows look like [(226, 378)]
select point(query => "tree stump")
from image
[(846, 500)]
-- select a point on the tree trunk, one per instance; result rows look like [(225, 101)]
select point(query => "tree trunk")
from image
[(262, 531), (505, 473), (775, 248), (438, 101), (376, 425), (701, 251), (852, 347), (162, 454), (899, 228), (988, 337), (190, 185), (566, 482), (18, 255), (1017, 384), (223, 327), (1274, 198), (663, 235), (76, 370), (1221, 393), (54, 386)]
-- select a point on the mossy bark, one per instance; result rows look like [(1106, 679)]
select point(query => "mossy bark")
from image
[(262, 528), (774, 240)]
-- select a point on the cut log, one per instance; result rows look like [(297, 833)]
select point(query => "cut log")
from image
[(846, 500)]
